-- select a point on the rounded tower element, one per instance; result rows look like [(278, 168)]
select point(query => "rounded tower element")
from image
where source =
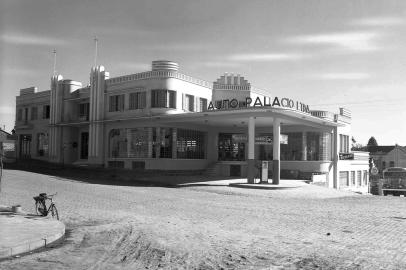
[(161, 65)]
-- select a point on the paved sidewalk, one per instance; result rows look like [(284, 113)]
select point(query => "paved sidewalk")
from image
[(21, 232), (242, 183)]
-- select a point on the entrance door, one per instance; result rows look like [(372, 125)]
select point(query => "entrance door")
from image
[(84, 145), (25, 146)]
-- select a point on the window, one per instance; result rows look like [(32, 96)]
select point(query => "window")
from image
[(20, 115), (161, 98), (46, 109), (116, 103), (189, 103), (353, 178), (344, 143), (359, 178), (42, 144), (84, 111), (293, 149), (190, 144), (313, 145), (365, 178), (138, 100), (117, 143), (34, 113), (391, 163), (25, 114), (344, 181), (137, 142), (162, 142), (383, 164), (202, 104)]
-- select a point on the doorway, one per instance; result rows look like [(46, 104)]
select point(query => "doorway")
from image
[(25, 146), (84, 145)]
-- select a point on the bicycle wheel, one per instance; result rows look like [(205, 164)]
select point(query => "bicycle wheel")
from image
[(38, 208), (54, 212)]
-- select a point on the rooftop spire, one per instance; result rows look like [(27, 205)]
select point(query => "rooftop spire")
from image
[(95, 50), (54, 52)]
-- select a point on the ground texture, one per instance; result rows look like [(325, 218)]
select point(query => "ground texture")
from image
[(212, 227)]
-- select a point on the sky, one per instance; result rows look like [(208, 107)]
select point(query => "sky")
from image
[(327, 54)]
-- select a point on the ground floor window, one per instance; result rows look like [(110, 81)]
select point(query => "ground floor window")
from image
[(231, 147), (137, 141), (353, 178), (359, 183), (365, 178), (117, 143), (190, 144), (344, 180), (162, 142), (293, 149), (313, 145), (157, 142)]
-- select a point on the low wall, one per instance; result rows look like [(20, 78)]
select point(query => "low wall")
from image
[(166, 164)]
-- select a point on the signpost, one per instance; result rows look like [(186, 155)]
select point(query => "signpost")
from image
[(374, 171)]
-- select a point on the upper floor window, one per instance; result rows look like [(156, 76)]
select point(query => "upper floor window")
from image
[(391, 163), (344, 143), (25, 114), (46, 111), (20, 115), (189, 103), (202, 104), (116, 103), (162, 98), (138, 100), (34, 113), (84, 111)]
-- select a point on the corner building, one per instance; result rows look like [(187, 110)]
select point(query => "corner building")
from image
[(165, 120)]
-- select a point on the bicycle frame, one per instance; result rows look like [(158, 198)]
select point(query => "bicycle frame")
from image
[(41, 207)]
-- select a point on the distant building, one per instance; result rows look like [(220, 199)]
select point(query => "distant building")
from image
[(388, 156), (7, 146), (166, 120)]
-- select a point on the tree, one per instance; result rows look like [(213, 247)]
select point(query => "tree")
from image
[(372, 142)]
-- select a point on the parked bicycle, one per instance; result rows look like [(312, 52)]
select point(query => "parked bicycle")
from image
[(41, 207)]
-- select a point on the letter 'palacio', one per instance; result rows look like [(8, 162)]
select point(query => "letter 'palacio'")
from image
[(163, 119)]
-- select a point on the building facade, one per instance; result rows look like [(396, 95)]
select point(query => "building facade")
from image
[(166, 120), (388, 156)]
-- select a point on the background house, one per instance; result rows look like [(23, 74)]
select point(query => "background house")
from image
[(388, 156)]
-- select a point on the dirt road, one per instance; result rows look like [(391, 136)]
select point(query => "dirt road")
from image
[(213, 227)]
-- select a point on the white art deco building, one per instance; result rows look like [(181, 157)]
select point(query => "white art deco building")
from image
[(165, 120)]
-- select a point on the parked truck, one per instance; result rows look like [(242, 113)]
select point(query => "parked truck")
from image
[(394, 181)]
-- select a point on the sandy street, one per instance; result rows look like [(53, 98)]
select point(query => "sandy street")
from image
[(212, 227)]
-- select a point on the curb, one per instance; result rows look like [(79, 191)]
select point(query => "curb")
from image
[(259, 186), (29, 246)]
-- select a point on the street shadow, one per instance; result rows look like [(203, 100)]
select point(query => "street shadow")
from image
[(116, 176)]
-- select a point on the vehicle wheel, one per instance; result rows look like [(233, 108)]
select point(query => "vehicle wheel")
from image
[(54, 212)]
